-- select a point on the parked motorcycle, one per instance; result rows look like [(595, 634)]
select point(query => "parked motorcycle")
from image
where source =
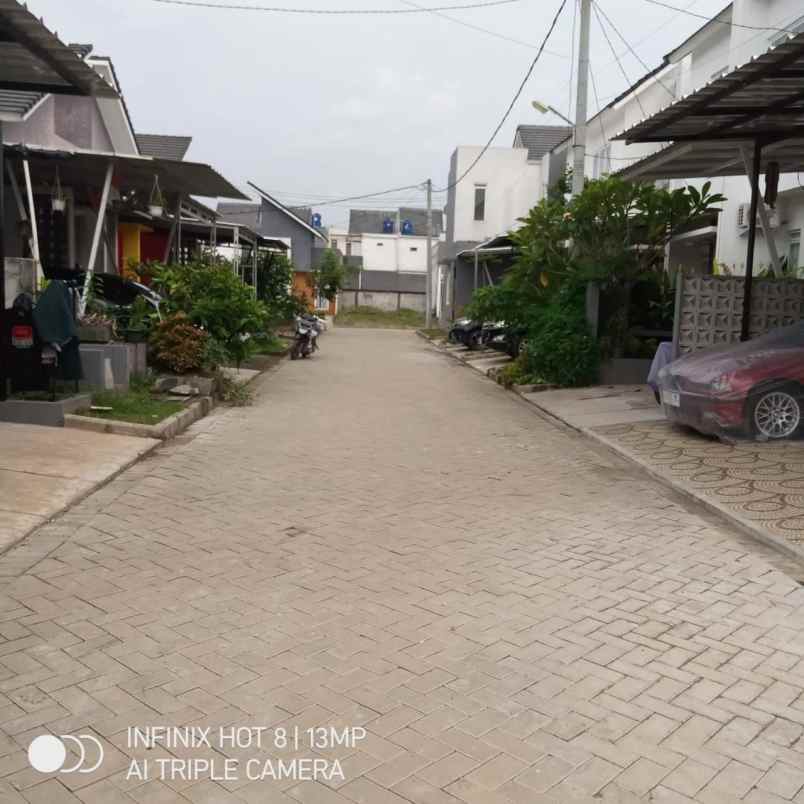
[(308, 328), (463, 330)]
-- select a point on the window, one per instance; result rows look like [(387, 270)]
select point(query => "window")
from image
[(334, 244), (480, 202), (794, 253), (380, 244), (414, 248)]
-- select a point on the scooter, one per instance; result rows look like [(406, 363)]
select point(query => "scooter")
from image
[(308, 328), (464, 330)]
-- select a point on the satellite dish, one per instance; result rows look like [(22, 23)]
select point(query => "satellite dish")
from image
[(387, 226), (407, 227), (317, 220)]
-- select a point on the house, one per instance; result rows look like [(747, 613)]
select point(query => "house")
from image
[(742, 30), (499, 189), (293, 226), (388, 250), (82, 150)]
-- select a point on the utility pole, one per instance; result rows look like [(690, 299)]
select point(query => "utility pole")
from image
[(579, 144), (428, 316)]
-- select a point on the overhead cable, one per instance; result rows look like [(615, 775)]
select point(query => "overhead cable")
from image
[(333, 11), (511, 105)]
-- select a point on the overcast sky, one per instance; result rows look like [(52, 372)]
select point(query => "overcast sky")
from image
[(315, 107)]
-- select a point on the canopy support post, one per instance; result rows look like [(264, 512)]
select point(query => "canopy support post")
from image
[(254, 268), (15, 188), (179, 251), (763, 217), (96, 236), (3, 348), (476, 267), (34, 227), (745, 331)]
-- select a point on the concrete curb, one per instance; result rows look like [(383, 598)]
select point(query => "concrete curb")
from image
[(744, 525), (82, 495), (166, 429)]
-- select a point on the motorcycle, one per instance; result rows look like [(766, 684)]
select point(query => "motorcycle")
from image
[(464, 330), (308, 328)]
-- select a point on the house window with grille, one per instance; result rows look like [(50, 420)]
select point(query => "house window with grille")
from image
[(602, 162), (480, 202)]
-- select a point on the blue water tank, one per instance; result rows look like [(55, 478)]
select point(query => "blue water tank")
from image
[(317, 220), (388, 226), (407, 227)]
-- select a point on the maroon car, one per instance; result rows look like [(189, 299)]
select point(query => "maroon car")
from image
[(754, 388)]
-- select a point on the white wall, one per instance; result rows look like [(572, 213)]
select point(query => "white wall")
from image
[(513, 187)]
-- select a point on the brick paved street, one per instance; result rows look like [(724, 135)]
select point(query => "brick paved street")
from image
[(388, 541)]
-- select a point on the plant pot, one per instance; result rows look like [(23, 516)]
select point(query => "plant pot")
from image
[(59, 204), (96, 333), (135, 335), (155, 210)]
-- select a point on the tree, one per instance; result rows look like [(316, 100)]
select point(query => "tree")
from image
[(329, 276), (275, 287)]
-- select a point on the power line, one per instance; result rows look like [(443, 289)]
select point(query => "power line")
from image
[(513, 101), (715, 19), (600, 8), (529, 45), (333, 11), (369, 195), (614, 53)]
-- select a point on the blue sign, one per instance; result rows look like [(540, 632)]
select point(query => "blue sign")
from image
[(407, 227), (317, 220), (388, 226)]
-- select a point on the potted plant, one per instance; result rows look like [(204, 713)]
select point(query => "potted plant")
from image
[(156, 204), (58, 200)]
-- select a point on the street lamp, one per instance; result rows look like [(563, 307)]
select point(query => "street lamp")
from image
[(544, 108)]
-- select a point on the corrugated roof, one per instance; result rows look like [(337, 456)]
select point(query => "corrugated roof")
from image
[(541, 139), (370, 221), (18, 104), (36, 60), (761, 99), (164, 146)]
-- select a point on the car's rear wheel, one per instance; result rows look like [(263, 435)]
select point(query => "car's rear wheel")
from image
[(776, 413)]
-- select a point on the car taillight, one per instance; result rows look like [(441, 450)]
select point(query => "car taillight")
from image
[(22, 336)]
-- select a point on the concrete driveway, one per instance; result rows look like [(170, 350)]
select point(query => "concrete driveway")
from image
[(467, 604)]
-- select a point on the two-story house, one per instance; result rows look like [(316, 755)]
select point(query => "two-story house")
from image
[(742, 30), (387, 250), (485, 202)]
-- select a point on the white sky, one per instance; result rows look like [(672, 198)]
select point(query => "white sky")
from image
[(315, 107)]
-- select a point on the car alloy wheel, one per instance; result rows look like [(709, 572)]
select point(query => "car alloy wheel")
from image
[(777, 414)]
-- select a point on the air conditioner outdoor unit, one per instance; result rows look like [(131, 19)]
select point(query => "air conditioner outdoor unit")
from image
[(744, 217)]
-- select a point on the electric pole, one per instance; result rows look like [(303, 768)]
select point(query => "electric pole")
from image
[(579, 143), (428, 315)]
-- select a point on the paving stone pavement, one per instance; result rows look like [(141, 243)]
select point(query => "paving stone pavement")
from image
[(389, 542)]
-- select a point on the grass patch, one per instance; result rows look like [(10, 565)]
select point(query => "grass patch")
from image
[(433, 334), (382, 319), (270, 344), (132, 406)]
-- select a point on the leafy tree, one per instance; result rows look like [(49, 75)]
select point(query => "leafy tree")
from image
[(275, 288), (329, 276)]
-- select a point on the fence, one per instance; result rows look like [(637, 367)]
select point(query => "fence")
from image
[(709, 309)]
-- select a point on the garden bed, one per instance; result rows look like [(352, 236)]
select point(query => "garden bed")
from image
[(131, 406)]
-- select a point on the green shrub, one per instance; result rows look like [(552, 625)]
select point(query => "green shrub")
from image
[(560, 349), (178, 345), (214, 298)]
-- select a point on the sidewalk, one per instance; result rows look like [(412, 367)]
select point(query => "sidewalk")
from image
[(757, 486), (44, 470)]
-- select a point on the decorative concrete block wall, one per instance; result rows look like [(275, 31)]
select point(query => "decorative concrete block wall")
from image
[(709, 309)]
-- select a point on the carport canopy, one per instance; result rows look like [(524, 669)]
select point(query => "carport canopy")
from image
[(88, 169), (33, 59), (738, 123)]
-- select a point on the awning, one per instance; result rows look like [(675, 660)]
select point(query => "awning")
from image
[(763, 99), (711, 158), (498, 245), (88, 168), (35, 60)]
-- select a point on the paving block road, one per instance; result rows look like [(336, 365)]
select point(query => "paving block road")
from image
[(390, 581)]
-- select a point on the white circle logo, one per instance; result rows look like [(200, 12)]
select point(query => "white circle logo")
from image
[(46, 753)]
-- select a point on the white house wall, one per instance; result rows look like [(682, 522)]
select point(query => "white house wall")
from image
[(513, 186)]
